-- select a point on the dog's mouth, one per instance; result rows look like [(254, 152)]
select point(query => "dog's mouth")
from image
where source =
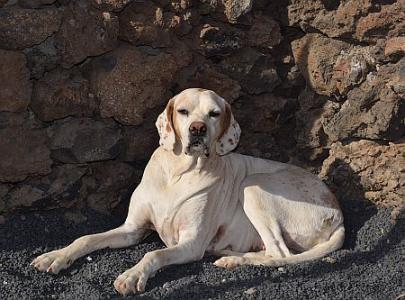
[(197, 146)]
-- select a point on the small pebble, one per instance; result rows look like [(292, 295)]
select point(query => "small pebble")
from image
[(4, 282), (250, 291), (223, 280), (166, 285), (281, 269), (329, 259), (89, 259)]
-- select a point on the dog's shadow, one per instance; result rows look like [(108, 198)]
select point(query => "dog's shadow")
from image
[(357, 210)]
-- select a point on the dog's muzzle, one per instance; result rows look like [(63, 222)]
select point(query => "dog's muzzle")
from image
[(197, 137), (198, 146)]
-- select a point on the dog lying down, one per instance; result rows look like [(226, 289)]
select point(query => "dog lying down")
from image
[(201, 198)]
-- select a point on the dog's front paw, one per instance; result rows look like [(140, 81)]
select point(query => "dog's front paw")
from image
[(132, 280), (230, 262), (51, 262)]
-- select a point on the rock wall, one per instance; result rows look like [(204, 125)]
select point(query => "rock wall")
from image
[(317, 83)]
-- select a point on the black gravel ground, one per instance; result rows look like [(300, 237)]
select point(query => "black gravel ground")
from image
[(370, 266)]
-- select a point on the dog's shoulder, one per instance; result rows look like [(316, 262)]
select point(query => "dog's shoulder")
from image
[(155, 168)]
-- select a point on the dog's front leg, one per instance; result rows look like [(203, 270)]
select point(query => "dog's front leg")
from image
[(123, 236), (134, 279)]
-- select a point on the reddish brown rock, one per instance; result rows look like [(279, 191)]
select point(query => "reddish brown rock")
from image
[(42, 58), (220, 40), (60, 188), (364, 20), (332, 67), (388, 21), (315, 56), (15, 84), (148, 24), (26, 118), (80, 140), (265, 113), (110, 5), (24, 153), (23, 28), (310, 136), (139, 142), (129, 81), (180, 52), (62, 93), (395, 45), (302, 13), (266, 120), (374, 110), (254, 70), (182, 21), (264, 33), (98, 33), (207, 77), (351, 69), (34, 3), (342, 21), (367, 170), (178, 5), (108, 184), (234, 9), (144, 24), (261, 145)]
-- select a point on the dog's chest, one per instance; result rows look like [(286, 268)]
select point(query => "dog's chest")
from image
[(179, 206)]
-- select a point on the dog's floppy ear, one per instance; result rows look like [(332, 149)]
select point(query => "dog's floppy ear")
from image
[(230, 134), (164, 125)]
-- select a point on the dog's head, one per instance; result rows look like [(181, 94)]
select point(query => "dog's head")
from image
[(200, 121)]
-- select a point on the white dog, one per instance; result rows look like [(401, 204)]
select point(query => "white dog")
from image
[(200, 198)]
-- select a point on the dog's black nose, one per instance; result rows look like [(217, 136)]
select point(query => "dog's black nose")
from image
[(198, 129)]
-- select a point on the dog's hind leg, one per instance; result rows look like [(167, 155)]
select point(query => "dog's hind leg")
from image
[(257, 258), (267, 227)]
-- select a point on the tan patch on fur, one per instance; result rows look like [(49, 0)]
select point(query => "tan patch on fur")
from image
[(174, 124), (171, 117), (225, 121)]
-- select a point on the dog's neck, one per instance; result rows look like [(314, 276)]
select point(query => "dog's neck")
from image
[(181, 163)]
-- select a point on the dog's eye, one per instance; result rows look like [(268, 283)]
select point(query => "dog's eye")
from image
[(183, 112), (213, 114)]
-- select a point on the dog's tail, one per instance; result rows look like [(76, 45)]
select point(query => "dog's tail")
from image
[(334, 243)]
